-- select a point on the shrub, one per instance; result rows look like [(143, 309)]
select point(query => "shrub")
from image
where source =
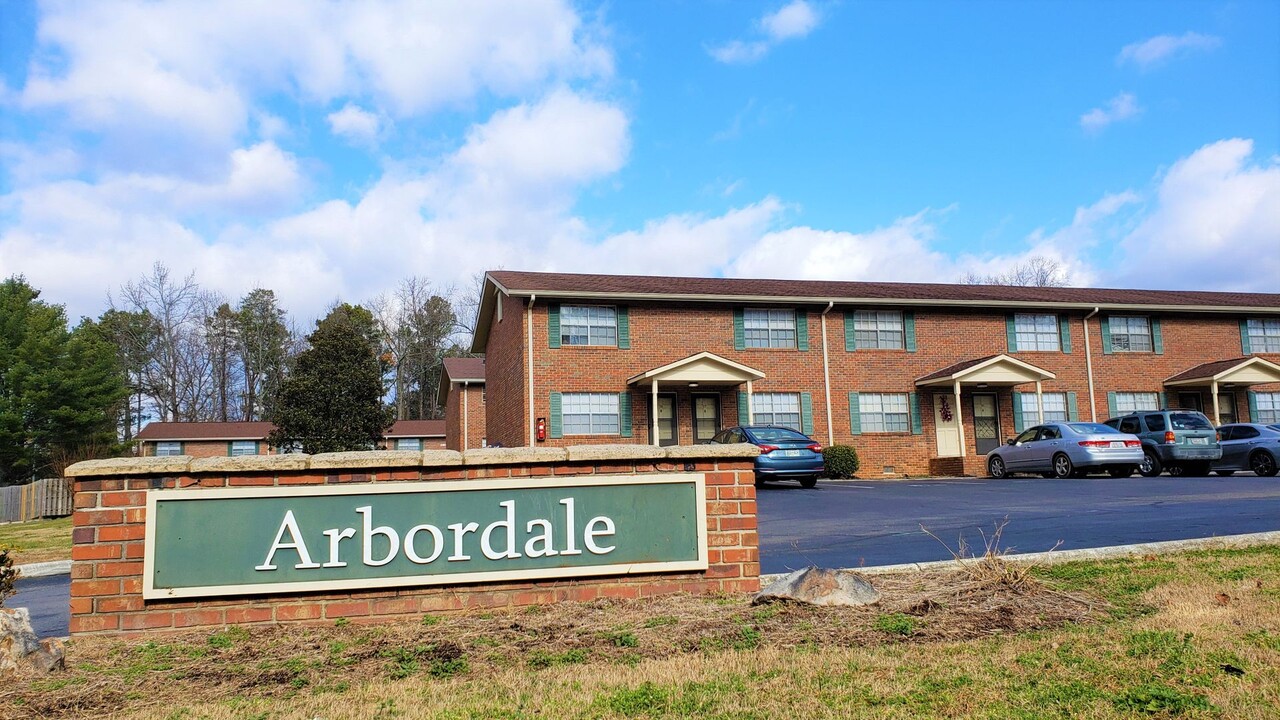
[(841, 461), (7, 575)]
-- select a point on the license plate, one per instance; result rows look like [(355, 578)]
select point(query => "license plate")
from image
[(1199, 441), (792, 453), (1117, 443)]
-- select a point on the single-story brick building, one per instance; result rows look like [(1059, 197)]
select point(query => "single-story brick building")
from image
[(461, 392), (230, 439), (921, 378)]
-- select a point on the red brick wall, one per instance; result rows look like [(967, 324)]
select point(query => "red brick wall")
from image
[(506, 418), (204, 448), (476, 429), (109, 528)]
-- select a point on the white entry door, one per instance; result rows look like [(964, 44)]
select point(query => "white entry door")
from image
[(946, 421)]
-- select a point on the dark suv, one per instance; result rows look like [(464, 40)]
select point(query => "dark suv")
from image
[(1181, 441)]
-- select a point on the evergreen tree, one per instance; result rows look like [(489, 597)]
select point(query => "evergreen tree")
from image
[(332, 400), (264, 341)]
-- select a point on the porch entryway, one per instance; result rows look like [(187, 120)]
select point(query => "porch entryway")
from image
[(687, 396), (984, 379)]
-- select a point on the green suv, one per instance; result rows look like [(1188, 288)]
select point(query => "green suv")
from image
[(1181, 441)]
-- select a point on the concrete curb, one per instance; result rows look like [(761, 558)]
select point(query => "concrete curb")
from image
[(44, 569), (1064, 556)]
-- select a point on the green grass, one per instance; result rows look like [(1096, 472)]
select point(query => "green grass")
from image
[(37, 540)]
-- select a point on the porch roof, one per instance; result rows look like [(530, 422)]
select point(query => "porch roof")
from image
[(1237, 371), (994, 370), (702, 368)]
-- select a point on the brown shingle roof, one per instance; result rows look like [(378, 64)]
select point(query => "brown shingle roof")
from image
[(1208, 370), (206, 431), (950, 370), (464, 368), (822, 290), (416, 428)]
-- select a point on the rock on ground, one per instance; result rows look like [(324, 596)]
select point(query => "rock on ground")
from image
[(19, 645), (819, 586)]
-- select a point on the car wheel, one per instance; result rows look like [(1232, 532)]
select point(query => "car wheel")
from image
[(1120, 471), (759, 481), (1062, 466), (996, 468), (1224, 473), (1178, 470), (1263, 464), (1150, 466), (808, 482)]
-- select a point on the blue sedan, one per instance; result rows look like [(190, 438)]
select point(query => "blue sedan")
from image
[(1249, 446), (1067, 449), (784, 453)]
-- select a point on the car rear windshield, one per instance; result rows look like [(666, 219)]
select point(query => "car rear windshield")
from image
[(1093, 429), (1189, 421), (776, 435)]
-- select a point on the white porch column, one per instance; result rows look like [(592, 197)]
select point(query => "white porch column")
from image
[(653, 413), (1217, 411), (959, 419), (1039, 404), (465, 417), (751, 416)]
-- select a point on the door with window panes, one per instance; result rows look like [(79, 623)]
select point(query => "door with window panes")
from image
[(706, 417)]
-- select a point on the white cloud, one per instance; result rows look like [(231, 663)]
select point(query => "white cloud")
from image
[(355, 124), (1121, 107), (1153, 51), (1214, 225), (792, 21)]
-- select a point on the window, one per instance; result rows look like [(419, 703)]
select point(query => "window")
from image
[(1127, 402), (882, 329), (409, 444), (1155, 423), (590, 413), (769, 328), (1130, 425), (1130, 334), (167, 448), (243, 447), (776, 409), (588, 325), (1036, 332), (1264, 335), (1055, 407), (1268, 405), (1227, 407), (884, 412)]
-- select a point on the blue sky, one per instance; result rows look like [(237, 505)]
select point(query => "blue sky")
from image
[(327, 150)]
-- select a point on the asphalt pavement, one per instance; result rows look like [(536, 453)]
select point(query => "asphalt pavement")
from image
[(48, 599)]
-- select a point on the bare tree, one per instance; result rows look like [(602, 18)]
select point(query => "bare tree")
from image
[(1035, 271), (415, 323)]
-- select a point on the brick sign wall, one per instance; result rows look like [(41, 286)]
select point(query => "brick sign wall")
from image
[(112, 559)]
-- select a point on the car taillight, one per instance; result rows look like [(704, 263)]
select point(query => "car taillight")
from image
[(1169, 438), (1095, 443), (816, 447), (1217, 436), (766, 449), (1133, 443)]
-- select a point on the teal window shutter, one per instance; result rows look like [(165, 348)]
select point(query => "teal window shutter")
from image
[(909, 330), (806, 413), (1244, 343), (554, 425), (1164, 399), (1106, 336), (1073, 412), (624, 414), (230, 448), (257, 447), (1253, 405), (802, 329), (744, 418), (850, 337), (1064, 330), (1018, 423), (624, 327), (917, 427), (739, 331), (1157, 336), (1011, 331), (1111, 405), (553, 325), (855, 414)]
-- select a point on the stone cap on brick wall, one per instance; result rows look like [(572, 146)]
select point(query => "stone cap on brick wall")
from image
[(180, 464)]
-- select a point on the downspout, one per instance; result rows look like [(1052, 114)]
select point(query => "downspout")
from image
[(533, 422), (1088, 365), (465, 415), (826, 373)]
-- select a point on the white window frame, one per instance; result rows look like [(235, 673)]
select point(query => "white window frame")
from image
[(1055, 408), (777, 409), (879, 330), (168, 448), (588, 325), (1264, 335), (589, 414), (773, 328), (1268, 406), (1037, 332), (1126, 329), (408, 443), (240, 448), (884, 412), (1127, 402)]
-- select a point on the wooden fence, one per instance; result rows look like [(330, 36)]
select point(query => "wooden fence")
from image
[(41, 499)]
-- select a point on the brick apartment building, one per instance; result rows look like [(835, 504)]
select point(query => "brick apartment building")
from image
[(921, 378), (461, 391), (223, 439)]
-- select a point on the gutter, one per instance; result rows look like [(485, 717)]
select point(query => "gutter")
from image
[(1088, 365), (826, 374), (529, 335)]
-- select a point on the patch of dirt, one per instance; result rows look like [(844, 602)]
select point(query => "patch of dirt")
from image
[(108, 676)]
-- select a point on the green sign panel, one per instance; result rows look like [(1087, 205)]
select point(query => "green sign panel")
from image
[(203, 543)]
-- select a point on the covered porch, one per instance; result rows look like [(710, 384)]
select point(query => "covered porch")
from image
[(1222, 379), (687, 397)]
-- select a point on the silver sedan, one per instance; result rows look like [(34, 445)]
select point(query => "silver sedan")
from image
[(1249, 446), (1067, 449)]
